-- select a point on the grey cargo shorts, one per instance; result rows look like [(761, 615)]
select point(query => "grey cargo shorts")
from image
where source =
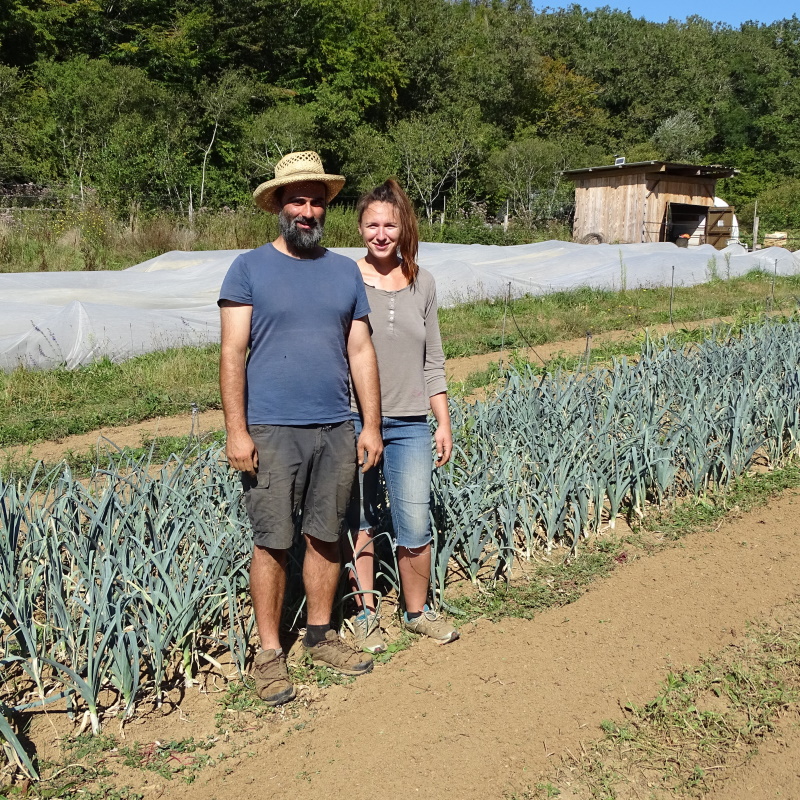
[(303, 470)]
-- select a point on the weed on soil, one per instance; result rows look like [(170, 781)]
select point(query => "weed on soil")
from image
[(706, 719)]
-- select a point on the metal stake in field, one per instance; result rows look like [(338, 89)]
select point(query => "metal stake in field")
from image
[(588, 352), (505, 314), (774, 277), (194, 434), (672, 296)]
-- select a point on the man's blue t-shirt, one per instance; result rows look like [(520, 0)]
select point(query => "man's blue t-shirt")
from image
[(297, 372)]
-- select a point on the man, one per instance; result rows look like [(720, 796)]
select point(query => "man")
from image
[(301, 311)]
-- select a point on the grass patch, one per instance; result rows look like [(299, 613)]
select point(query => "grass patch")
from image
[(705, 719), (402, 642), (750, 491), (44, 405), (154, 450), (49, 404), (303, 671), (92, 237), (546, 585), (183, 757), (486, 325)]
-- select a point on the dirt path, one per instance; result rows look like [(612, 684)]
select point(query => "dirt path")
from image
[(457, 370), (773, 773), (484, 717), (492, 714)]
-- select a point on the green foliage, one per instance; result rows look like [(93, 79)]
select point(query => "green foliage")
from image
[(99, 395), (436, 151), (179, 105), (779, 208), (527, 173), (680, 138)]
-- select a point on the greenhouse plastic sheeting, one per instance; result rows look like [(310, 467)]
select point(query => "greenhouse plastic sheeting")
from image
[(72, 318)]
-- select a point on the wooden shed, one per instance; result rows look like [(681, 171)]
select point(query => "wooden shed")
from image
[(650, 201)]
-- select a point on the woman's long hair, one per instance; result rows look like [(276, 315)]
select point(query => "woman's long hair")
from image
[(408, 241)]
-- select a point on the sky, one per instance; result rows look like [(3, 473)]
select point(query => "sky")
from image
[(732, 12)]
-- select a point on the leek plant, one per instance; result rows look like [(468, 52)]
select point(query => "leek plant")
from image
[(114, 589)]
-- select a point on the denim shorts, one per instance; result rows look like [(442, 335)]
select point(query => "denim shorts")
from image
[(304, 472), (406, 470)]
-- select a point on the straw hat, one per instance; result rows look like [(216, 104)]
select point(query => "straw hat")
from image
[(296, 168)]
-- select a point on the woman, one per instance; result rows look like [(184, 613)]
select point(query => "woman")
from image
[(405, 333)]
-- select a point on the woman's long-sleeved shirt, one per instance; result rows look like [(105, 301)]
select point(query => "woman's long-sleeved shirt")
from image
[(405, 334)]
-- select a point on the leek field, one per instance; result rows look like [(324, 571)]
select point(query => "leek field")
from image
[(113, 589)]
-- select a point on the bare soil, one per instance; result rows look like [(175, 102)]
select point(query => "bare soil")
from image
[(773, 773)]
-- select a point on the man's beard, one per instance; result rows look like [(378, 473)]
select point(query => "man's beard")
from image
[(297, 238)]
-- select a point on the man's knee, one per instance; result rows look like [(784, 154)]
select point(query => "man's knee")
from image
[(269, 557), (327, 550)]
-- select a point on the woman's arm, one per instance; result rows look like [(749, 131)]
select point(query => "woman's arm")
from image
[(434, 353), (435, 380), (443, 437)]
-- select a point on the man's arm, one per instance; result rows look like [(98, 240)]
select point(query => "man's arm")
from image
[(240, 448), (364, 371)]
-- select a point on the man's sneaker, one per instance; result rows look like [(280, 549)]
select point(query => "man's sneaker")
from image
[(429, 623), (272, 678), (367, 632), (335, 653)]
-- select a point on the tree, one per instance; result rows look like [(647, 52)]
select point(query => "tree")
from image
[(527, 173), (680, 138), (108, 128), (370, 157), (434, 153), (12, 141), (284, 128), (222, 101)]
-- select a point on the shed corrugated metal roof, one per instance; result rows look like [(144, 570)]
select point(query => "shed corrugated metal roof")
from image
[(667, 167)]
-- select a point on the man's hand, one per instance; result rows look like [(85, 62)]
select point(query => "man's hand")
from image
[(242, 454), (364, 371), (369, 448)]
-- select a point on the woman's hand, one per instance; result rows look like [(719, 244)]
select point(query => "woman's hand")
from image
[(444, 444), (444, 434)]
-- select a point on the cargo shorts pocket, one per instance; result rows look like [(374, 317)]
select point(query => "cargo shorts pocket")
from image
[(344, 489), (260, 481)]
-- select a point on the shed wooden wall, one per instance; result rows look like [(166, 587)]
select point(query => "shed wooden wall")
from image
[(631, 207), (611, 205)]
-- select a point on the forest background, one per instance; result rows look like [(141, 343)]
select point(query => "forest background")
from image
[(147, 107)]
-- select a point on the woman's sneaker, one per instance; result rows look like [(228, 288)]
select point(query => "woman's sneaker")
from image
[(430, 623), (367, 632)]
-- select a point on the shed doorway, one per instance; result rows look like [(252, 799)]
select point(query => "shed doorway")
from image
[(684, 219)]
